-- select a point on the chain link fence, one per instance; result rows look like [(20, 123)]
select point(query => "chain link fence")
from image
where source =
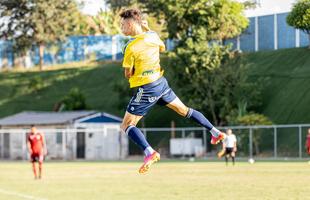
[(275, 141), (265, 142)]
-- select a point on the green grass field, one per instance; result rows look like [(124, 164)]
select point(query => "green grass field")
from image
[(166, 180)]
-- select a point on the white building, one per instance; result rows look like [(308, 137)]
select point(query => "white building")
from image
[(269, 7), (72, 135)]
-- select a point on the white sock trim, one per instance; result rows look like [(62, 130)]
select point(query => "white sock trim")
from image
[(128, 129), (190, 112), (215, 132), (148, 151)]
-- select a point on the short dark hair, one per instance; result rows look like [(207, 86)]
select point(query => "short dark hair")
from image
[(134, 14)]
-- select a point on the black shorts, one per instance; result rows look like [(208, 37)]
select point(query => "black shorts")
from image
[(229, 150), (35, 157)]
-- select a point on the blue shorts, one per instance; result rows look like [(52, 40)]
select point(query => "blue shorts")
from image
[(146, 96)]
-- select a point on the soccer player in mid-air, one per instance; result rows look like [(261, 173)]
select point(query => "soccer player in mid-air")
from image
[(37, 150), (142, 67)]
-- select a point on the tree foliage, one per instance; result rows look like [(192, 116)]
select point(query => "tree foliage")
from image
[(255, 119), (74, 100), (299, 17), (203, 19), (105, 22), (207, 80), (212, 80), (38, 22)]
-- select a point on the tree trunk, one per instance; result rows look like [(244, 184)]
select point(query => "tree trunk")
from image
[(41, 54), (212, 108)]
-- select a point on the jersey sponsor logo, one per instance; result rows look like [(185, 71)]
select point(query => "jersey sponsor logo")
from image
[(148, 72)]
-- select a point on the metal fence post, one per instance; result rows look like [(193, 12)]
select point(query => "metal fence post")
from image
[(251, 143), (145, 133), (183, 136), (256, 34), (275, 142), (275, 34), (300, 142), (205, 140), (114, 47), (64, 145)]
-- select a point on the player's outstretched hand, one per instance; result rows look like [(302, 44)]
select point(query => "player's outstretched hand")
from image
[(145, 25)]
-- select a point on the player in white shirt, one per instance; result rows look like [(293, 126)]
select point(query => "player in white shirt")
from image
[(230, 146)]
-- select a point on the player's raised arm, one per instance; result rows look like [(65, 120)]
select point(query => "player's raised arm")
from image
[(145, 25), (162, 46)]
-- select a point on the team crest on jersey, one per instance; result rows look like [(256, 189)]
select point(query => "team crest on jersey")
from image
[(152, 99)]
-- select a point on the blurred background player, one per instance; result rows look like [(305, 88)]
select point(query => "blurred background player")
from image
[(37, 149), (308, 142), (230, 146), (142, 68)]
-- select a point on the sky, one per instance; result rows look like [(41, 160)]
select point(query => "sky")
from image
[(266, 7), (92, 7)]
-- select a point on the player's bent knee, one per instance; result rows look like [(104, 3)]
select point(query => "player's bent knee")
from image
[(125, 126), (185, 111)]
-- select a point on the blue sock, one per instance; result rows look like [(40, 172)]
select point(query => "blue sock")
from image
[(202, 120), (137, 136)]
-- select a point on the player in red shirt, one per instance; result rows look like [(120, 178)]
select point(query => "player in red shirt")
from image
[(37, 149), (308, 142)]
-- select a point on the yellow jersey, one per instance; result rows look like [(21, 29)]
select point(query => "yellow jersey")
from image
[(141, 54)]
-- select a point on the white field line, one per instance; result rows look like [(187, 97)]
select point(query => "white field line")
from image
[(23, 196)]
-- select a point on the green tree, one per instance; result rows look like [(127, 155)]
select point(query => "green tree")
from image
[(38, 22), (203, 19), (119, 4), (299, 17), (255, 119), (208, 82), (74, 100)]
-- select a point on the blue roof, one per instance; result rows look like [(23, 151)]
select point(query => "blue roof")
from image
[(102, 118), (66, 117)]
